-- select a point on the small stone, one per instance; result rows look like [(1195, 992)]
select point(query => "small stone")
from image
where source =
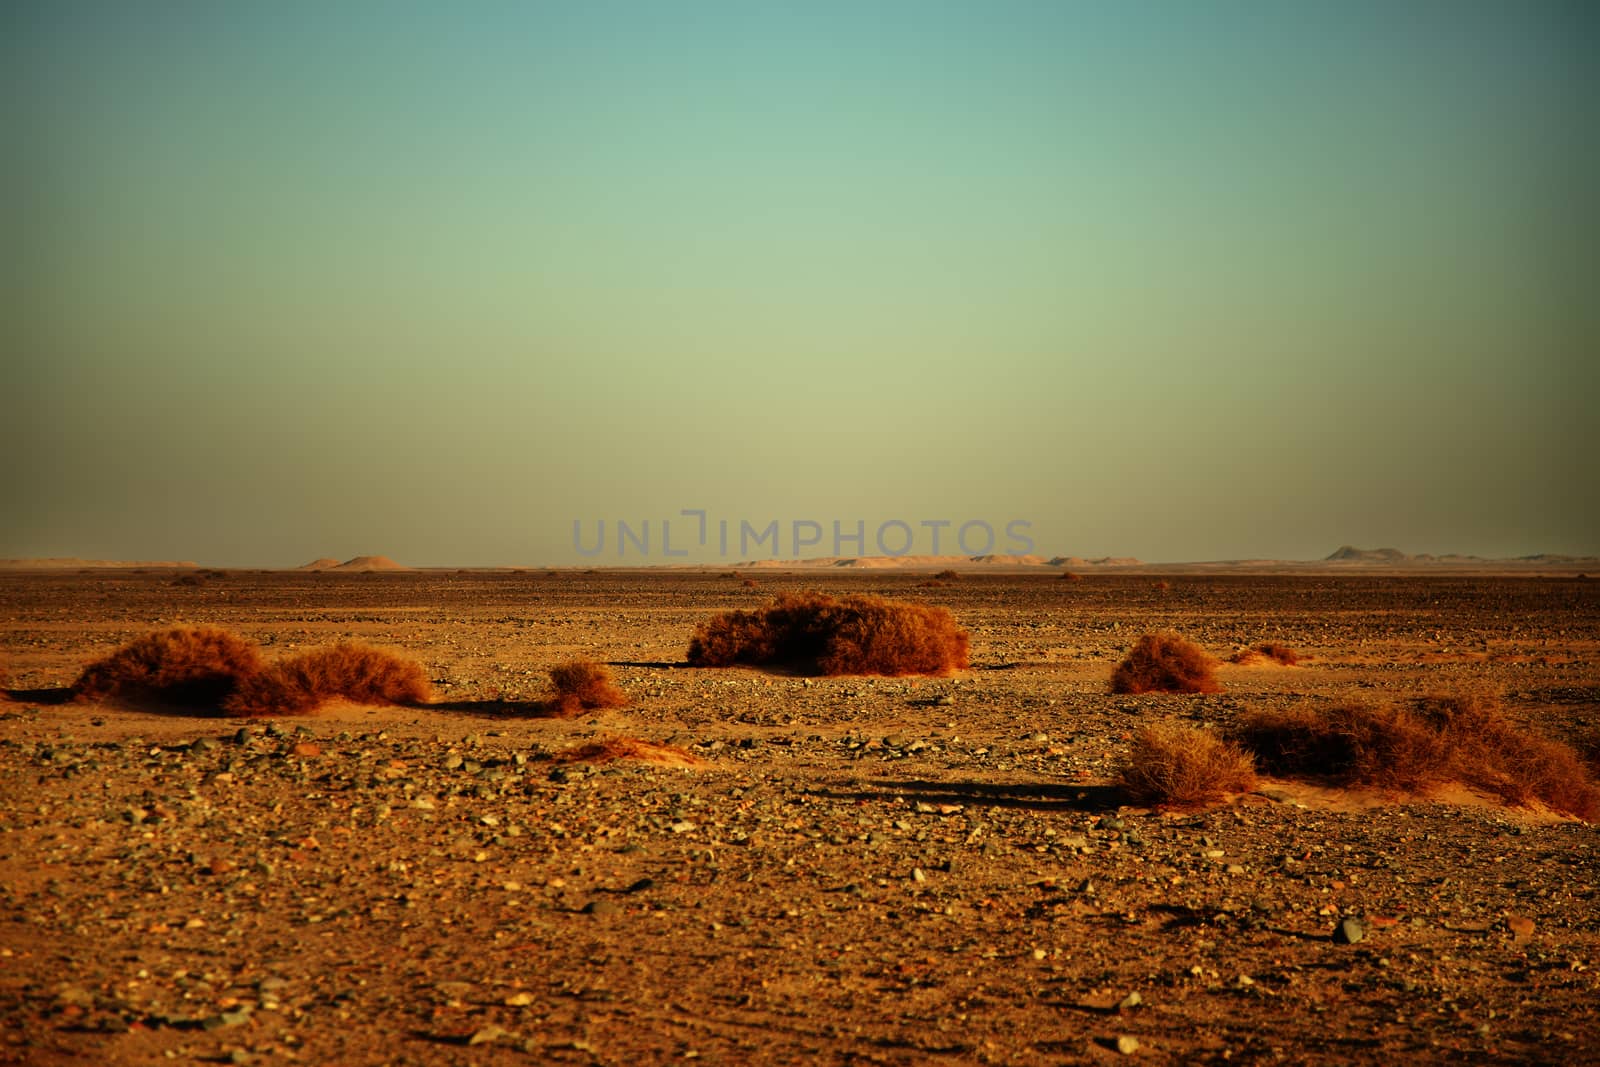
[(1127, 1044), (917, 875), (945, 701), (1348, 932), (487, 1034), (452, 762), (1520, 926), (519, 1000), (306, 749), (600, 907), (1132, 1000)]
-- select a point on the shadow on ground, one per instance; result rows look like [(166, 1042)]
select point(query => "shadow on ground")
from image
[(1036, 796)]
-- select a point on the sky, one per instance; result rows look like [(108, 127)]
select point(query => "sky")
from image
[(1173, 280)]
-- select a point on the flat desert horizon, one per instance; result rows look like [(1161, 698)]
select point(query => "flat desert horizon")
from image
[(865, 533)]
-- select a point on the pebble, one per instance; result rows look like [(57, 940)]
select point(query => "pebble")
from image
[(1127, 1044), (1348, 932), (600, 907)]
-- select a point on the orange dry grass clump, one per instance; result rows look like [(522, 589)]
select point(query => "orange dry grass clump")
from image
[(817, 634), (189, 665), (349, 671), (1165, 663), (583, 686), (1437, 739), (619, 746), (1174, 764), (1282, 654)]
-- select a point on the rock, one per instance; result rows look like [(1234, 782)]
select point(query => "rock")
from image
[(306, 749), (487, 1034), (452, 762), (600, 907), (1127, 1044), (1132, 1000), (1520, 926), (1348, 932)]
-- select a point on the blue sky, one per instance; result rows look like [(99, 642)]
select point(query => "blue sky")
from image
[(1179, 281)]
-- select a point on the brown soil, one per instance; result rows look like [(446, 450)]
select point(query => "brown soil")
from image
[(862, 870)]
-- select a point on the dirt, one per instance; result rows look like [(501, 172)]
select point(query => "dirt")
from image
[(851, 870)]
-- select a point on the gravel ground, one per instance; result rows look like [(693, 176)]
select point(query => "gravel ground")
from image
[(857, 870)]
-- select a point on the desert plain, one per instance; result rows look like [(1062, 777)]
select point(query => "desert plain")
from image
[(849, 870)]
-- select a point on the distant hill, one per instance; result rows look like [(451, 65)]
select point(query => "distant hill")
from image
[(370, 563), (326, 563), (1351, 554)]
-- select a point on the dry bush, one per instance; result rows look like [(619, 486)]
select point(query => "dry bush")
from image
[(948, 575), (349, 670), (1165, 662), (817, 634), (1163, 585), (189, 580), (192, 666), (749, 583), (1174, 764), (614, 747), (1378, 745), (1283, 654), (1494, 754), (583, 686), (1070, 576), (1464, 737)]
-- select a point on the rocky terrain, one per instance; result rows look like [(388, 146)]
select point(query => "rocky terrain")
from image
[(855, 870)]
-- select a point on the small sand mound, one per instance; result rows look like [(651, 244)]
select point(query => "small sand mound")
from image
[(613, 747), (326, 563), (370, 563)]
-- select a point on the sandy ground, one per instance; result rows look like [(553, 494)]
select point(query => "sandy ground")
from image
[(859, 870)]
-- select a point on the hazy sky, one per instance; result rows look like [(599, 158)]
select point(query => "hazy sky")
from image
[(1175, 280)]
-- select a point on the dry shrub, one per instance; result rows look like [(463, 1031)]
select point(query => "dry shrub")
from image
[(817, 634), (583, 686), (1464, 737), (1174, 764), (1070, 576), (191, 666), (1494, 754), (948, 575), (349, 670), (613, 747), (1281, 654), (1165, 662), (1163, 585), (1378, 745), (749, 583), (189, 579)]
